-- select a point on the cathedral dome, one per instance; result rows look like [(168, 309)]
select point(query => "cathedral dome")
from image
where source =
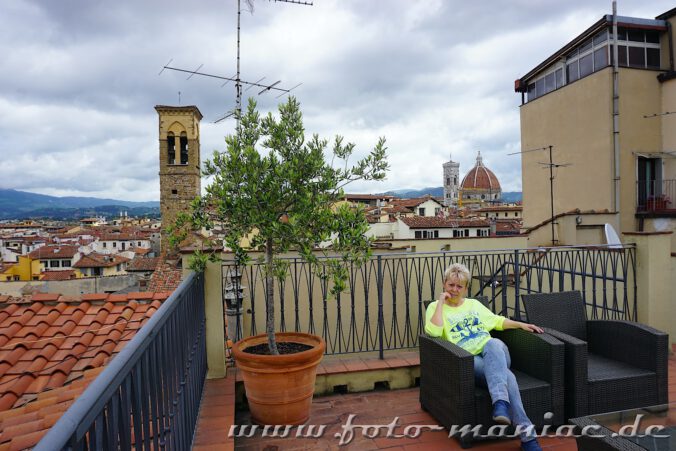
[(480, 178)]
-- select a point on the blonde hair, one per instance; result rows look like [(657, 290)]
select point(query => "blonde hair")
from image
[(458, 270)]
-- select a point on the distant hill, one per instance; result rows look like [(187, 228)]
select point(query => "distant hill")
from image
[(507, 196), (21, 205)]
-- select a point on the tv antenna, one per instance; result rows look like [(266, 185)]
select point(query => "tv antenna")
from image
[(551, 165), (236, 78)]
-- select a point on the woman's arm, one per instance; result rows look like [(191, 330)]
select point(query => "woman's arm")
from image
[(511, 324)]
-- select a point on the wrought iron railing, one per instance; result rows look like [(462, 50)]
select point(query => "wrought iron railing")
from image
[(148, 396), (383, 306), (655, 195)]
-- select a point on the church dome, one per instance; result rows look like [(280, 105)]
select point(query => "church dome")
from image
[(480, 178)]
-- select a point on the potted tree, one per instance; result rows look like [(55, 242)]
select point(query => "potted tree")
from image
[(277, 191)]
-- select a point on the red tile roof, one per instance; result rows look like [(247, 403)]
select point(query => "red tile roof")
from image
[(52, 347), (143, 264), (53, 251), (480, 177), (165, 278), (412, 203), (424, 222), (59, 275), (46, 342), (24, 426), (96, 260)]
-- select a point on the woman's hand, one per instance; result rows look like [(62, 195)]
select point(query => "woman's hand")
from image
[(531, 328)]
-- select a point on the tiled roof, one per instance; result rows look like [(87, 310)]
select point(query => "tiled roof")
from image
[(166, 277), (411, 203), (480, 177), (96, 260), (58, 275), (142, 264), (23, 427), (424, 222), (50, 340), (142, 250), (54, 251)]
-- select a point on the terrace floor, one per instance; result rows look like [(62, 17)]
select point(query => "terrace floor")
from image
[(379, 407)]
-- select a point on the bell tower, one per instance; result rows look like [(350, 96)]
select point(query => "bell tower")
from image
[(179, 136), (451, 174)]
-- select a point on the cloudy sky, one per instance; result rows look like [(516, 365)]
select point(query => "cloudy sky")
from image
[(79, 80)]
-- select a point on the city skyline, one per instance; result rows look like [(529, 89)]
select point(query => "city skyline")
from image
[(77, 102)]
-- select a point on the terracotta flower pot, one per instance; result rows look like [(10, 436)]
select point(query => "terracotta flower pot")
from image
[(279, 388)]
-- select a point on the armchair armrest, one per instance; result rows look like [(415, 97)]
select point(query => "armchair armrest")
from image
[(446, 381), (575, 373), (539, 355), (629, 342)]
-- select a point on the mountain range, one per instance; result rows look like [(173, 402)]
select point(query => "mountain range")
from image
[(507, 196), (16, 204)]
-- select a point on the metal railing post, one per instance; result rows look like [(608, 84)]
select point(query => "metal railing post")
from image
[(381, 318)]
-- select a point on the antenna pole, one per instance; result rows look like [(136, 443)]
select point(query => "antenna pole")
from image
[(238, 84), (551, 191)]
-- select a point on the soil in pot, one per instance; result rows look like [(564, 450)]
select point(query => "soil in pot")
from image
[(283, 348)]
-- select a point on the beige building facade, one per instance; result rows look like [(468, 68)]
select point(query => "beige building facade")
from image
[(606, 156)]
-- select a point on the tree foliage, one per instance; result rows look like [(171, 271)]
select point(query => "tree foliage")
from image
[(276, 190)]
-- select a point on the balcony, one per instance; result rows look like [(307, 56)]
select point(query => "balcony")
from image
[(656, 198), (151, 395)]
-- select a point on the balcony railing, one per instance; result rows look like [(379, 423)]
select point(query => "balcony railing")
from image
[(148, 396), (383, 307), (655, 196)]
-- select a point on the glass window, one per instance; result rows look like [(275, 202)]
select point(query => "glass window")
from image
[(653, 58), (601, 37), (418, 234), (600, 58), (652, 36), (572, 54), (586, 65), (636, 35), (53, 263), (559, 77), (531, 92), (622, 55), (586, 46), (622, 34), (636, 57), (540, 87), (65, 263), (550, 82), (572, 73)]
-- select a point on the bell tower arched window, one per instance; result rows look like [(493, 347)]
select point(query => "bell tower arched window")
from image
[(184, 148), (171, 148)]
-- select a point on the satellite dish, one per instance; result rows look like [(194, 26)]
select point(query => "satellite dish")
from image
[(611, 237)]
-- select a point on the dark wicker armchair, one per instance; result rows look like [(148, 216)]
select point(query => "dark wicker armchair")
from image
[(610, 365), (449, 394)]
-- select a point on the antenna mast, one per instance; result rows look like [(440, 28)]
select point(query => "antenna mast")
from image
[(238, 80), (551, 165)]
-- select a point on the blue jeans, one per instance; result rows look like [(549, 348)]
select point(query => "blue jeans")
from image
[(491, 370)]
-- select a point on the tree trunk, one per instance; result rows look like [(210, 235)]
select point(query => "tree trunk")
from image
[(270, 300)]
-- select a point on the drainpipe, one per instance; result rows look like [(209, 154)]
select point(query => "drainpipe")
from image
[(616, 115)]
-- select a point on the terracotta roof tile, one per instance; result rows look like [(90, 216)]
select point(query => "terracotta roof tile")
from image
[(95, 297), (66, 343), (143, 264), (67, 274), (52, 251)]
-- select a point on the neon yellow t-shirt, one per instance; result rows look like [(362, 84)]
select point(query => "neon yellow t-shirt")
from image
[(467, 326)]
